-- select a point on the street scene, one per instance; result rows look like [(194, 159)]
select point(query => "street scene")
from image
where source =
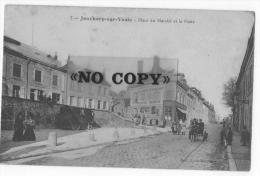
[(127, 88)]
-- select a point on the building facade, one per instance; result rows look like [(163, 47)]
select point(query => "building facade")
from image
[(87, 95), (156, 101), (31, 74), (170, 102), (244, 89)]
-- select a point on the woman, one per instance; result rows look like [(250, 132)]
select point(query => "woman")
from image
[(29, 132), (18, 128)]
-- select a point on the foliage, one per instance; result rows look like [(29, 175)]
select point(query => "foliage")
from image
[(229, 92)]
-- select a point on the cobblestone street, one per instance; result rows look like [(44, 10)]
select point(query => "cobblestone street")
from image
[(165, 151)]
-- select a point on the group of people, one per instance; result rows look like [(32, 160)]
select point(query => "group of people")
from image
[(178, 127), (196, 129), (24, 128), (226, 135), (140, 119), (88, 117)]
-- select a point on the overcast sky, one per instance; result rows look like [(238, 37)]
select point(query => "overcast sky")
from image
[(210, 45)]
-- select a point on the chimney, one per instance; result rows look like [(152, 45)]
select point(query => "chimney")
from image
[(156, 63), (140, 64)]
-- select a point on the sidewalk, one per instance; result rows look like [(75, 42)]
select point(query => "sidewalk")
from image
[(80, 140), (240, 154)]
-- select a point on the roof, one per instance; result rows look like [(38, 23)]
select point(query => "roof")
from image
[(30, 52), (249, 49), (72, 66)]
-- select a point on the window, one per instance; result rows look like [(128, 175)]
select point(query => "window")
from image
[(16, 91), (55, 97), (71, 100), (90, 103), (168, 111), (251, 77), (105, 90), (17, 68), (154, 110), (36, 94), (32, 94), (99, 90), (104, 105), (55, 80), (39, 95), (38, 76), (99, 104)]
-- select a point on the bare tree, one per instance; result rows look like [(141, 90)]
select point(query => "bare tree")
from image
[(229, 93)]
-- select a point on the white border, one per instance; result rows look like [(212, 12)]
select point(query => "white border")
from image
[(244, 5)]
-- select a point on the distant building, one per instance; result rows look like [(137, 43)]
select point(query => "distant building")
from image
[(156, 101), (244, 88), (31, 74), (88, 95), (170, 102)]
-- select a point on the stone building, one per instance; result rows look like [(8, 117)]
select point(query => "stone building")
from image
[(155, 101), (244, 88), (89, 95), (30, 73), (170, 102)]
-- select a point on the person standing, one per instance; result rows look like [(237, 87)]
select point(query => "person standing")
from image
[(18, 128), (222, 136), (29, 124), (229, 136), (245, 137)]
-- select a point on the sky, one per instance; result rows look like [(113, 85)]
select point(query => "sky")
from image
[(209, 45)]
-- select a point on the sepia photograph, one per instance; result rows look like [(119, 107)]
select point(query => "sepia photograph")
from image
[(127, 87)]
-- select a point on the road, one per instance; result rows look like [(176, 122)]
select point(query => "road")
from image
[(165, 151)]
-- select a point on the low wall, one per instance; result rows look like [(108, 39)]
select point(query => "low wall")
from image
[(43, 113)]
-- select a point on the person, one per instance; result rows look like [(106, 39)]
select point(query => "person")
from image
[(183, 127), (201, 127), (245, 137), (174, 127), (229, 136), (18, 128), (91, 120), (222, 136), (205, 136), (29, 126), (178, 127)]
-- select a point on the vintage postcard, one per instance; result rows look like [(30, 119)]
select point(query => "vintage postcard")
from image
[(127, 87)]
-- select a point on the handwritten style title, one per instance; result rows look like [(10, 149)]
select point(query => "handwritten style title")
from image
[(119, 78)]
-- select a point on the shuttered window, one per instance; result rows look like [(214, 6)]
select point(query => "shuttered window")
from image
[(38, 76), (55, 80), (17, 70)]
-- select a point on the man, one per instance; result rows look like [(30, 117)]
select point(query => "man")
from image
[(222, 136), (245, 137), (229, 136)]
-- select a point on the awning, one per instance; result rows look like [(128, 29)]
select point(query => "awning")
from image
[(181, 114)]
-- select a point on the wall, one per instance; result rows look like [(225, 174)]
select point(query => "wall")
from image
[(43, 113)]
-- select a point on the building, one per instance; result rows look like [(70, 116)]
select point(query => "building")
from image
[(170, 102), (30, 73), (244, 88), (89, 95), (156, 101)]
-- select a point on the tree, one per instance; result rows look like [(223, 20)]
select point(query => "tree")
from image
[(228, 94)]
